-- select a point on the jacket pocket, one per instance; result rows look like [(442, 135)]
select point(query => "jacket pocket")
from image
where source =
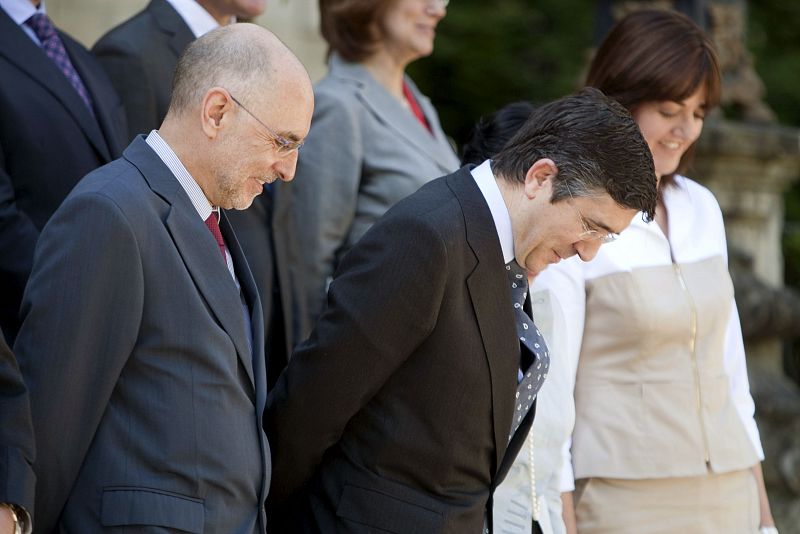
[(377, 509), (123, 506)]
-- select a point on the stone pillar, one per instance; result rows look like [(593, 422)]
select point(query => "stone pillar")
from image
[(748, 167)]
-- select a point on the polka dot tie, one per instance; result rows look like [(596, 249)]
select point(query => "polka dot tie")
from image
[(54, 48), (532, 348)]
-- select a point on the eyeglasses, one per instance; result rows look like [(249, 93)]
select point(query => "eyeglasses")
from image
[(588, 233), (283, 145)]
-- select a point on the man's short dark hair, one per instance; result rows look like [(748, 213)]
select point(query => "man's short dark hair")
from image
[(492, 132), (596, 145)]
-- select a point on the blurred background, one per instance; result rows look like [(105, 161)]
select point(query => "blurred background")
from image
[(491, 53)]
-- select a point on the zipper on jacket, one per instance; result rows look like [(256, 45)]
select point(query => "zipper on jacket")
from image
[(695, 366)]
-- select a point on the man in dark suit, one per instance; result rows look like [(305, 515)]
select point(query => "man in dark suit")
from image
[(16, 446), (142, 339), (61, 119), (405, 407), (139, 56)]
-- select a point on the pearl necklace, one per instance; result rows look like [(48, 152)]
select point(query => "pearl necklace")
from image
[(532, 477)]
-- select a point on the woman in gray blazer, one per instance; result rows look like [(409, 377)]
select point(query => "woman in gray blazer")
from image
[(374, 137)]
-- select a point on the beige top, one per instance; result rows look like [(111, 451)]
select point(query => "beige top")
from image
[(652, 396), (661, 387)]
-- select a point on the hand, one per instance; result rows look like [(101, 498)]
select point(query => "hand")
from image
[(6, 520)]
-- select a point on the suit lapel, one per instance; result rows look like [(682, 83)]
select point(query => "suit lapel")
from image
[(100, 139), (392, 113), (171, 24), (491, 301), (18, 49), (197, 247), (250, 291)]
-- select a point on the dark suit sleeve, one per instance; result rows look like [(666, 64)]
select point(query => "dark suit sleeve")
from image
[(382, 305), (17, 243), (134, 86), (325, 194), (16, 435), (81, 314)]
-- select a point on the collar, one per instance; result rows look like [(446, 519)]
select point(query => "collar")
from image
[(170, 159), (487, 183), (21, 10), (195, 16)]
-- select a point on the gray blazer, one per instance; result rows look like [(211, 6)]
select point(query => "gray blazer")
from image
[(365, 152), (146, 397)]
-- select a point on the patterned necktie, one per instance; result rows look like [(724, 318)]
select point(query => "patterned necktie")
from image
[(213, 225), (54, 48), (531, 344)]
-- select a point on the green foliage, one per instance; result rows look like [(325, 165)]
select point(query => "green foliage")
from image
[(774, 40), (489, 54)]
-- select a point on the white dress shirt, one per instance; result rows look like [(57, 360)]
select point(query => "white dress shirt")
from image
[(22, 10), (195, 16)]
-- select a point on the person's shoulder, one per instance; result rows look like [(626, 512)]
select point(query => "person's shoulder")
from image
[(118, 180), (131, 35), (336, 91), (434, 204), (701, 197)]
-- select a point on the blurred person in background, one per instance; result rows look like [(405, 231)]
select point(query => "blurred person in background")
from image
[(374, 139), (664, 438), (59, 119), (139, 55)]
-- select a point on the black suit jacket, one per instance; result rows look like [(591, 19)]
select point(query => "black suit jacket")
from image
[(16, 434), (394, 416), (48, 141), (267, 237), (140, 56)]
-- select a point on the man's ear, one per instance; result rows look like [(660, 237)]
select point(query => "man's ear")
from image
[(539, 175), (217, 103)]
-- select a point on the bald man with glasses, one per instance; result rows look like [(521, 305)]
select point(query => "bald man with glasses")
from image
[(142, 341)]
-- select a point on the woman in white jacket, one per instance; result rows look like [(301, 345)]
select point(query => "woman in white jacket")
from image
[(664, 437)]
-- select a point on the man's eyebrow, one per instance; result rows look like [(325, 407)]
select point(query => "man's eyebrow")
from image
[(290, 136), (600, 225)]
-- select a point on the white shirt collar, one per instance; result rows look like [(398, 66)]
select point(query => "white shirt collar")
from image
[(487, 183), (170, 159), (195, 16), (21, 10)]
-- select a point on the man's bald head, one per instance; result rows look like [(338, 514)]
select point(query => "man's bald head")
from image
[(243, 58)]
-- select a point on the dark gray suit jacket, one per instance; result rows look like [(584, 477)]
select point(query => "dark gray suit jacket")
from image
[(48, 141), (146, 398), (394, 415), (140, 56), (16, 434)]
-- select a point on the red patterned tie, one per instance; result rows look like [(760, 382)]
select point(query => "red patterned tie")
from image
[(213, 225), (54, 48)]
